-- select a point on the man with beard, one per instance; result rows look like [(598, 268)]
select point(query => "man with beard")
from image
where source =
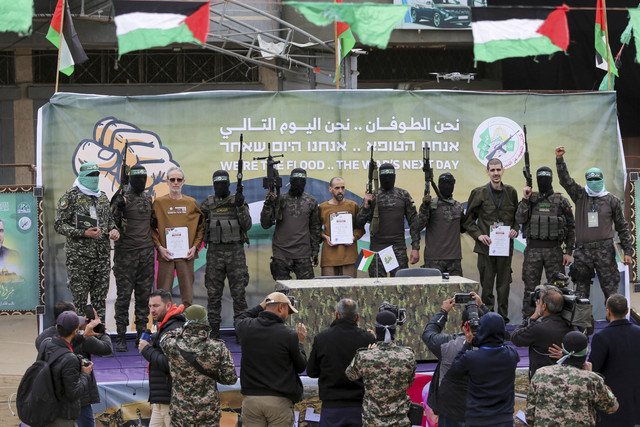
[(394, 205), (550, 230), (597, 213), (296, 239), (172, 212), (133, 265), (443, 220), (227, 221), (84, 217), (338, 259), (493, 205)]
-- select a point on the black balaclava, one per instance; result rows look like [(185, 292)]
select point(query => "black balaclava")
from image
[(297, 181), (386, 323), (138, 178), (575, 346), (446, 183), (221, 183), (545, 179), (387, 176)]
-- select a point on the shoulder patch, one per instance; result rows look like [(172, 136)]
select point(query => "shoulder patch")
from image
[(63, 203)]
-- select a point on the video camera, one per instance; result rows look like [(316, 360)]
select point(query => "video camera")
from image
[(400, 313), (576, 310)]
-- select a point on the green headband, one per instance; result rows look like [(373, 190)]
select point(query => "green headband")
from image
[(220, 178), (387, 171)]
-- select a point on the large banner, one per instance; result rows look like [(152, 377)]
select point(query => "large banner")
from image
[(329, 133)]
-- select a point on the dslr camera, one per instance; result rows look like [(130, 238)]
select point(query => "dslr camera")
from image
[(576, 309), (400, 313), (474, 317)]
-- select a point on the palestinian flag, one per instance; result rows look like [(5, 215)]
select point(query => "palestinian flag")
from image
[(500, 33), (346, 41), (602, 48), (146, 24), (71, 51), (364, 259)]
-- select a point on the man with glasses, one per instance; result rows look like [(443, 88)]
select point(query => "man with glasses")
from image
[(84, 217), (177, 231), (598, 212)]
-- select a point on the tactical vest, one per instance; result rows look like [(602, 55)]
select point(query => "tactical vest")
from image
[(546, 223), (223, 225)]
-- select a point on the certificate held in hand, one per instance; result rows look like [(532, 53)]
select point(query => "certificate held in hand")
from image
[(341, 228), (177, 239)]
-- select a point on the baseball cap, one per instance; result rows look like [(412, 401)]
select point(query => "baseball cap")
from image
[(279, 297), (69, 320)]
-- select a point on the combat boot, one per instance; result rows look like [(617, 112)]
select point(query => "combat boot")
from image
[(121, 343)]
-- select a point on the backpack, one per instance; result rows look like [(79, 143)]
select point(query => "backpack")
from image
[(36, 400)]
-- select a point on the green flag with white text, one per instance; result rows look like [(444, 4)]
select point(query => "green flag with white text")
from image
[(371, 22), (16, 16)]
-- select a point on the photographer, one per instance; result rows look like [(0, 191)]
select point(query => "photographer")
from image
[(84, 344), (544, 328), (447, 396)]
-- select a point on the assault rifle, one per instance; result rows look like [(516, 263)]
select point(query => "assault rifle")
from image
[(526, 170), (239, 186), (373, 175), (273, 180), (124, 175), (428, 173)]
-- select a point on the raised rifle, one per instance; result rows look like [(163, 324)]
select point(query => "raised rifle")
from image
[(526, 170), (372, 188), (239, 186), (428, 173), (124, 175), (273, 180)]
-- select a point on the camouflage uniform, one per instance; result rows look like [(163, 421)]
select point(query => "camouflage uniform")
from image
[(225, 255), (393, 206), (542, 251), (595, 253), (300, 216), (194, 396), (88, 260), (566, 396), (387, 372), (133, 263), (435, 215)]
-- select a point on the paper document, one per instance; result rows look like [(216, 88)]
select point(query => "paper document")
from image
[(341, 228), (177, 241), (500, 241)]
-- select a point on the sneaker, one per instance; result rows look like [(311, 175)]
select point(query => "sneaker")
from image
[(121, 344)]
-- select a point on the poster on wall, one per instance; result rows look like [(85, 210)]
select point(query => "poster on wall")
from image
[(438, 14), (20, 281)]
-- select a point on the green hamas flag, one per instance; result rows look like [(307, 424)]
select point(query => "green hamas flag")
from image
[(634, 18), (16, 16), (371, 22)]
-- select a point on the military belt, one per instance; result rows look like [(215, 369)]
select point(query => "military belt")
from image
[(595, 245)]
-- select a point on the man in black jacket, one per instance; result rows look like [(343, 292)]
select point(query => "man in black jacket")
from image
[(333, 349), (544, 328), (85, 343), (167, 317), (448, 396), (70, 379), (272, 357)]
